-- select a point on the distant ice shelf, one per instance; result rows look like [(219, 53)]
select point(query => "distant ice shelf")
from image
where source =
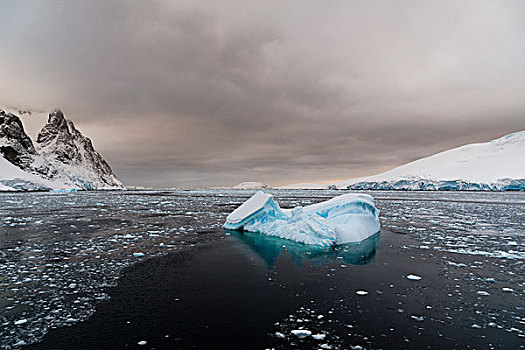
[(343, 219)]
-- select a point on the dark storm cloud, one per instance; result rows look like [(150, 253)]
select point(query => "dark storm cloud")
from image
[(211, 93)]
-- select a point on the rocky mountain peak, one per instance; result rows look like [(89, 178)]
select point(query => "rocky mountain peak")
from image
[(15, 145), (56, 117), (61, 153), (62, 142), (56, 124)]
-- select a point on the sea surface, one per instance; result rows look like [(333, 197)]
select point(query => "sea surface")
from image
[(155, 270)]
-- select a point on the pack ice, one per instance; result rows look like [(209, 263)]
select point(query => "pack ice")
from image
[(343, 219)]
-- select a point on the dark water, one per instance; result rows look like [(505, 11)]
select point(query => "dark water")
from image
[(200, 287)]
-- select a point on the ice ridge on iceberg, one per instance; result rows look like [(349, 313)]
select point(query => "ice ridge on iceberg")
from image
[(342, 219)]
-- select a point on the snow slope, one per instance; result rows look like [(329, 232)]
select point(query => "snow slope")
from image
[(342, 219), (13, 178), (494, 165)]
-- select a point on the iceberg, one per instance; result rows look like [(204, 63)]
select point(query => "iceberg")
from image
[(343, 219)]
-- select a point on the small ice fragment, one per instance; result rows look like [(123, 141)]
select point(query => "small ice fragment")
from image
[(325, 346), (138, 255), (319, 317), (142, 342), (280, 335), (476, 326), (20, 322), (361, 292), (319, 336), (456, 264), (414, 277), (417, 318), (301, 333), (505, 289), (482, 292), (20, 343), (356, 347)]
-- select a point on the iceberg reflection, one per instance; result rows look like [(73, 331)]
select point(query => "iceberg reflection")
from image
[(270, 248)]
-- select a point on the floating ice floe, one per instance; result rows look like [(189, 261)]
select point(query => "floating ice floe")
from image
[(414, 277), (343, 219), (417, 318), (301, 333)]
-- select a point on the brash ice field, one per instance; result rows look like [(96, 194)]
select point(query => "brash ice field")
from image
[(155, 269)]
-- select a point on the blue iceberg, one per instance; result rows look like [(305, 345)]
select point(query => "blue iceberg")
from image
[(343, 219)]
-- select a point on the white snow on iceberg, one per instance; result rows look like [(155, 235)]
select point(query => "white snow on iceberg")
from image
[(343, 219)]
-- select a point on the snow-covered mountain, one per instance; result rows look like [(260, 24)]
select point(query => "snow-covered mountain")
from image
[(496, 165), (61, 159), (251, 186)]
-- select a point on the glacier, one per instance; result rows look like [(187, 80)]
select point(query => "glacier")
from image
[(343, 219)]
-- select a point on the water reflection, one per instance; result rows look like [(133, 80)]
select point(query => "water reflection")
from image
[(270, 249)]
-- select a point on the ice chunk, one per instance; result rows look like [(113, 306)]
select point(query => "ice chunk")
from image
[(343, 219), (20, 322), (414, 277), (301, 333)]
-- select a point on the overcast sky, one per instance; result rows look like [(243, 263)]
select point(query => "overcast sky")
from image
[(203, 93)]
